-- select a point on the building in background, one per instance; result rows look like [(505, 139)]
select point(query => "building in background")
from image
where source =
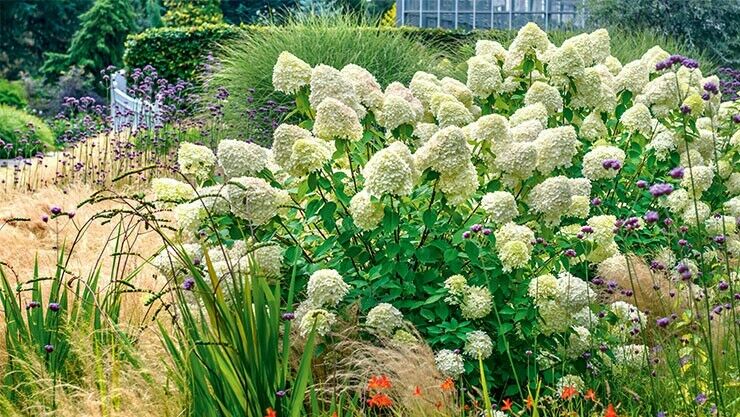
[(488, 14)]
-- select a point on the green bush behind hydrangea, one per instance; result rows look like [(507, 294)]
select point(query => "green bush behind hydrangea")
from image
[(17, 125)]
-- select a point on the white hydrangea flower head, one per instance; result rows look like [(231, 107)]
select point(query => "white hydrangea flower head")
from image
[(485, 47), (581, 43), (456, 287), (476, 303), (168, 190), (663, 142), (600, 48), (549, 96), (536, 111), (603, 228), (449, 363), (196, 161), (697, 179), (335, 120), (460, 186), (268, 260), (366, 213), (543, 287), (396, 111), (530, 38), (593, 128), (721, 225), (390, 171), (578, 342), (397, 89), (500, 206), (319, 319), (254, 200), (551, 197), (732, 206), (556, 148), (290, 73), (615, 67), (595, 90), (484, 76), (565, 64), (326, 288), (696, 213), (424, 131), (518, 160), (638, 119), (628, 313), (424, 86), (404, 338), (169, 261), (309, 155), (593, 167), (365, 84), (733, 184), (527, 131), (555, 318), (213, 199), (654, 55), (240, 159), (451, 112), (445, 152), (661, 95), (383, 319), (633, 77), (493, 128), (585, 318), (573, 292), (189, 216), (460, 91), (570, 381), (327, 82), (478, 345), (514, 255), (633, 357), (283, 139), (513, 232)]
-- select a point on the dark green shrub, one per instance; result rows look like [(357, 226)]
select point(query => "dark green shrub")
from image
[(22, 134), (176, 52), (13, 94), (192, 12)]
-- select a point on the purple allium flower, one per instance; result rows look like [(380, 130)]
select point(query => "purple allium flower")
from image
[(571, 253), (587, 229), (466, 235), (658, 190), (685, 109), (676, 173), (188, 284), (476, 228), (705, 96), (711, 87), (49, 348), (642, 184), (281, 393), (663, 322), (720, 239), (652, 216), (487, 231), (657, 265), (667, 221), (54, 306), (56, 210), (580, 235), (701, 398), (683, 229), (288, 316), (737, 296), (456, 351), (44, 218), (33, 304), (596, 202), (723, 286), (690, 63), (682, 242), (598, 281), (71, 214), (736, 118), (528, 352)]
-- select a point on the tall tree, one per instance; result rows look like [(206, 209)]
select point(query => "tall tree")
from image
[(99, 41), (32, 27)]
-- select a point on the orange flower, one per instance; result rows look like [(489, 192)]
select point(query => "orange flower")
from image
[(610, 411), (270, 412), (379, 382), (380, 400), (530, 403), (417, 391), (448, 385), (568, 392), (590, 395), (334, 414), (507, 405)]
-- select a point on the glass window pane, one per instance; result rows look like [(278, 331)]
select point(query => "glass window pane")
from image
[(465, 21), (430, 20), (465, 6), (500, 5), (430, 5), (412, 19), (448, 5), (483, 20), (447, 21), (411, 5)]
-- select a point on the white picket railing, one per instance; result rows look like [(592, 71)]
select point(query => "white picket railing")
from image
[(129, 112)]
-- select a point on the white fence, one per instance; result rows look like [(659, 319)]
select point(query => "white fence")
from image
[(129, 112)]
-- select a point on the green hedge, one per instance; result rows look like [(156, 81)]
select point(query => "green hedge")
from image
[(26, 133), (177, 52)]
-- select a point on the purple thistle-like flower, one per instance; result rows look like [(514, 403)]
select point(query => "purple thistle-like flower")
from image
[(49, 348), (652, 216), (667, 221), (663, 322), (596, 202), (676, 173), (642, 184), (658, 190), (188, 284), (54, 306), (587, 229), (476, 228), (723, 286), (690, 63), (466, 235), (487, 231), (281, 393), (56, 210), (657, 265), (701, 398), (685, 109), (571, 253), (288, 316), (736, 118), (711, 87), (720, 239), (44, 218)]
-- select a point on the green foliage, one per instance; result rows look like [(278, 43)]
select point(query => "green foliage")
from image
[(99, 41), (176, 53), (23, 134), (233, 352), (708, 25), (192, 12), (12, 94), (31, 27)]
